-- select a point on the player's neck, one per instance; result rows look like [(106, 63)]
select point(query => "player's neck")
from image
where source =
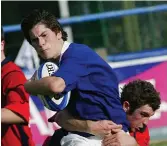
[(61, 45), (57, 59)]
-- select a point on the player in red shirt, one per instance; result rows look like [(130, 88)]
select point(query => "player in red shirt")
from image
[(14, 104), (140, 100)]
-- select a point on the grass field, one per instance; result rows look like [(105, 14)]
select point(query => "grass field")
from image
[(162, 143)]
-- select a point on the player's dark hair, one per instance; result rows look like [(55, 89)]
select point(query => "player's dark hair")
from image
[(44, 17), (139, 93)]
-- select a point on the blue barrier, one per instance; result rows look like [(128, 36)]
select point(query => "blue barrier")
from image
[(97, 16), (137, 55)]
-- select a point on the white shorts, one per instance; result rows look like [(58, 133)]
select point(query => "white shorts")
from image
[(77, 140)]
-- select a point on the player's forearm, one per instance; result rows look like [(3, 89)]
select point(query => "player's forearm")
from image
[(75, 125), (100, 128), (44, 86), (37, 87), (68, 122), (9, 117)]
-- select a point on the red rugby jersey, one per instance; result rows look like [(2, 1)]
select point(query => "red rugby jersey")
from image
[(14, 98)]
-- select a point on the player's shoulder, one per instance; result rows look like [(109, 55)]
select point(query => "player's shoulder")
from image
[(12, 71), (11, 66), (79, 47), (79, 50)]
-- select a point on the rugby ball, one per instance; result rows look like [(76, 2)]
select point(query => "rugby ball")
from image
[(50, 102)]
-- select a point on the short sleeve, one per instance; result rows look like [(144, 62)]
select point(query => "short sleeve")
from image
[(70, 71), (17, 98), (16, 104)]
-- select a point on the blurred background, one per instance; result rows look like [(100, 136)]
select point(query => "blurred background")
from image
[(130, 35), (114, 35)]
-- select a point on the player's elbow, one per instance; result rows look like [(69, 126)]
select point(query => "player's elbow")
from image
[(57, 85)]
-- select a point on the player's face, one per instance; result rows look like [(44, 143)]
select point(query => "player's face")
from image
[(47, 43), (2, 50), (140, 117), (2, 45)]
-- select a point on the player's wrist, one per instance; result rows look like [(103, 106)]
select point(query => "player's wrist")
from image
[(89, 128)]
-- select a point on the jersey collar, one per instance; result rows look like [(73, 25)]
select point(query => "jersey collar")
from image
[(64, 48)]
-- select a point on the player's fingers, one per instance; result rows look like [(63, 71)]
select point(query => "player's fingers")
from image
[(115, 131), (107, 133), (111, 136), (109, 140), (112, 144), (110, 127), (110, 122)]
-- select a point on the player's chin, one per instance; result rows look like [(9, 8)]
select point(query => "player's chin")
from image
[(47, 57)]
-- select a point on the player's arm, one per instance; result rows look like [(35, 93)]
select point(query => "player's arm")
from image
[(16, 109), (68, 122), (45, 86), (9, 117)]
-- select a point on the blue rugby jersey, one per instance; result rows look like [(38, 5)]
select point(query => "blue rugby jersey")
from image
[(93, 86)]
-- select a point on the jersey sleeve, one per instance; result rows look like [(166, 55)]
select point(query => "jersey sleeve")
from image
[(17, 99), (70, 71)]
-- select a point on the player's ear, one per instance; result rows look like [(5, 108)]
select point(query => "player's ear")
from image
[(59, 35), (126, 106)]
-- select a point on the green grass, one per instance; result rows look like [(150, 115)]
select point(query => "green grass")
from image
[(162, 143)]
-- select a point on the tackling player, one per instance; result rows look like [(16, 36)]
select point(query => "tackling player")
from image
[(140, 100)]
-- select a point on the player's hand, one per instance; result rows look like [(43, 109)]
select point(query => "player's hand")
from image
[(119, 139), (103, 128)]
